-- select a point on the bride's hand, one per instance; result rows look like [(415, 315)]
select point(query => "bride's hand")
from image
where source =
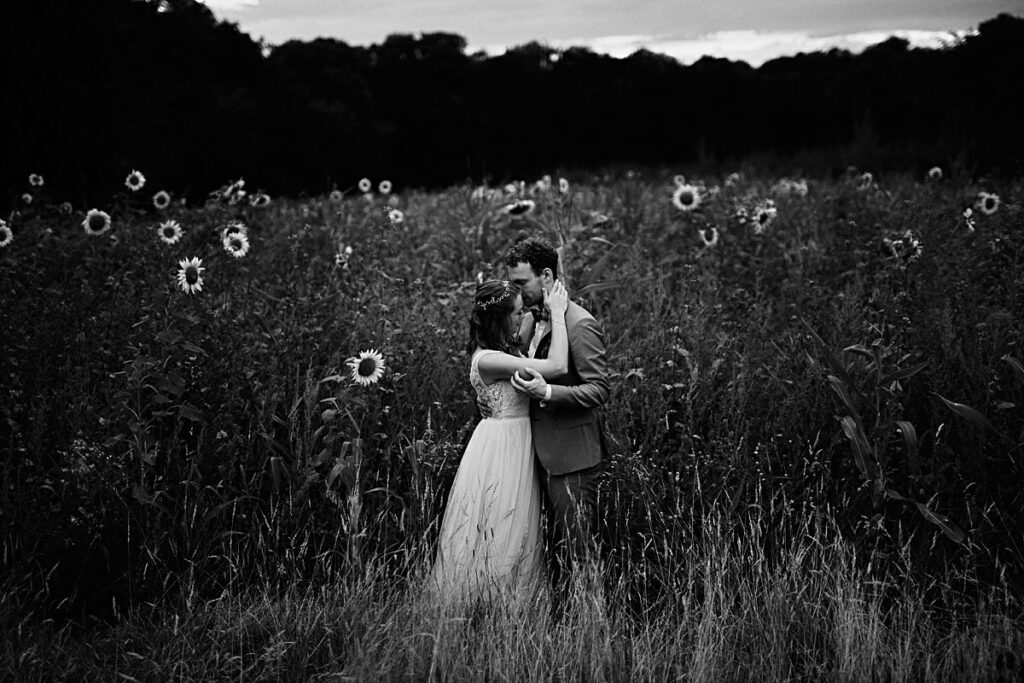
[(557, 300)]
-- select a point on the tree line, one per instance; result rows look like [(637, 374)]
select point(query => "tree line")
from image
[(96, 89)]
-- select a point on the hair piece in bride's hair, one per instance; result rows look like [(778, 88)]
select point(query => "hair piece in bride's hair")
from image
[(506, 293), (493, 303)]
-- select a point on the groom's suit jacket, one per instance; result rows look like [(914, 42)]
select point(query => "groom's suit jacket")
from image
[(568, 430)]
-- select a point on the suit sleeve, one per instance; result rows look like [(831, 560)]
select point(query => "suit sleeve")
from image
[(586, 347)]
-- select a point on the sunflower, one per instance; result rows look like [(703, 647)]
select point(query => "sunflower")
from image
[(260, 200), (935, 173), (65, 207), (988, 202), (384, 187), (679, 180), (236, 244), (709, 241), (190, 277), (563, 186), (135, 181), (343, 255), (170, 232), (161, 200), (395, 216), (904, 246), (27, 198), (865, 180), (969, 218), (523, 207), (35, 180), (96, 222), (336, 196), (365, 185), (764, 214), (234, 228), (367, 368), (686, 197), (6, 236)]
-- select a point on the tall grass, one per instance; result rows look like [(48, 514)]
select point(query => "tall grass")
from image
[(192, 489), (734, 607)]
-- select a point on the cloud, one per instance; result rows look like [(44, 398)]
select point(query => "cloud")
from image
[(753, 47), (229, 5)]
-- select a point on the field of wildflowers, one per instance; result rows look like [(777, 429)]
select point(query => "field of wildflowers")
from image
[(229, 427)]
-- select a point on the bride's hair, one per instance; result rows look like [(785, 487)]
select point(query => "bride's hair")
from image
[(494, 302)]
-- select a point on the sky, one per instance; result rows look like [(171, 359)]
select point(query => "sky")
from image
[(750, 30)]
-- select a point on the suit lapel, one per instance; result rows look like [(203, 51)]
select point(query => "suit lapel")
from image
[(544, 346)]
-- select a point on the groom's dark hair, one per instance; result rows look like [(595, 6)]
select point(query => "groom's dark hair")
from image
[(535, 251)]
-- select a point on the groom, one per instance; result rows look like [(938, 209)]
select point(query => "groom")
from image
[(568, 435)]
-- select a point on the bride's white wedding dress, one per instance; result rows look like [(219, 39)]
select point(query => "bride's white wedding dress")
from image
[(490, 541)]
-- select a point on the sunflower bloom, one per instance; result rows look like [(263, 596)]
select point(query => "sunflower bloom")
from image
[(686, 197), (236, 244), (234, 228), (988, 202), (161, 200), (969, 218), (365, 185), (865, 181), (170, 232), (336, 196), (6, 236), (367, 368), (260, 200), (395, 216), (764, 214), (709, 241), (135, 181), (27, 198), (935, 173), (190, 277), (343, 255), (384, 187), (96, 222), (523, 207), (563, 186), (35, 180)]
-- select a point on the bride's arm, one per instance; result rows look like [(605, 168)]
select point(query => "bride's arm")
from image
[(495, 366)]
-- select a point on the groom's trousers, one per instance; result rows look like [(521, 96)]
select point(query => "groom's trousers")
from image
[(572, 513)]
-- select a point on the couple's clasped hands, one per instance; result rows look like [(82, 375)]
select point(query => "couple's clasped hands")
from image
[(528, 380)]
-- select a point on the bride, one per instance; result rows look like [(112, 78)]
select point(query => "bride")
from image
[(490, 541)]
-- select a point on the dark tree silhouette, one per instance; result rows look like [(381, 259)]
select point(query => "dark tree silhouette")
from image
[(96, 89)]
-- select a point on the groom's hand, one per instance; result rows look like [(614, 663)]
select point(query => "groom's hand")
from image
[(533, 384)]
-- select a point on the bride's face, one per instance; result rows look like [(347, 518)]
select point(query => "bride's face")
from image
[(515, 319)]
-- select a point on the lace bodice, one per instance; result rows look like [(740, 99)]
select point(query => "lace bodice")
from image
[(501, 397)]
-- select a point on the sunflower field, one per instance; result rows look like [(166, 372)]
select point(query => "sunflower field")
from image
[(230, 424)]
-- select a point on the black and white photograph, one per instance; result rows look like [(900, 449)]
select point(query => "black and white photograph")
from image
[(464, 340)]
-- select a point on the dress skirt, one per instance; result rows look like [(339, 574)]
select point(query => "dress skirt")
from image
[(490, 542)]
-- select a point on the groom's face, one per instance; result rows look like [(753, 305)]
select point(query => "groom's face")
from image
[(530, 283)]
